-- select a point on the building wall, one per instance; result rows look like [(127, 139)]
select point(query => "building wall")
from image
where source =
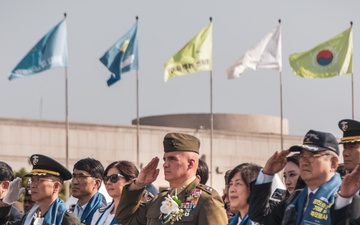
[(221, 121), (20, 138)]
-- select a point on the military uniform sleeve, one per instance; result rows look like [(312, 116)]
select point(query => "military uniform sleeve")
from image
[(70, 219), (212, 211), (131, 210)]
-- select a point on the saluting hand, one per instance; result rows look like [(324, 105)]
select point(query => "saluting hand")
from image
[(351, 183), (149, 173), (14, 192), (276, 162)]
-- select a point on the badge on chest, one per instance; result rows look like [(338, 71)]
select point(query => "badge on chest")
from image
[(191, 202)]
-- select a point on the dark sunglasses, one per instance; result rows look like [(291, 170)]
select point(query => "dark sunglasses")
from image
[(113, 178)]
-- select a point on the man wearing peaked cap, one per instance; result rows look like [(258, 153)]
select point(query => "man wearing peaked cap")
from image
[(349, 191), (315, 203), (351, 142), (199, 204), (46, 180)]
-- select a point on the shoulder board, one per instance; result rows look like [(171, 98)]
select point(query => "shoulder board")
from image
[(205, 188)]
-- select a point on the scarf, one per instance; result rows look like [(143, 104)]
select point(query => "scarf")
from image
[(235, 219), (54, 215), (318, 209), (95, 202), (105, 215)]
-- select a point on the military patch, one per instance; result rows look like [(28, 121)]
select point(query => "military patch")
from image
[(205, 188), (278, 195)]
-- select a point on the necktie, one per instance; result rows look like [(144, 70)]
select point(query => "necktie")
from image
[(310, 195), (308, 201)]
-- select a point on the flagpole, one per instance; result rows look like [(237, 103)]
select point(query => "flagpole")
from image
[(352, 87), (281, 107), (67, 192), (137, 115), (211, 127), (352, 95)]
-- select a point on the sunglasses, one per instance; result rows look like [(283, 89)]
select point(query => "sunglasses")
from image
[(113, 178)]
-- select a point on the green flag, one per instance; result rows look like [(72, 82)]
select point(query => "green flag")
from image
[(196, 56), (331, 58)]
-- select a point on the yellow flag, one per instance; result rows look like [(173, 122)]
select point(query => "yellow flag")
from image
[(196, 56), (331, 58)]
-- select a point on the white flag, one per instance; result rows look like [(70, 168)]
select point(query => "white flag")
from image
[(266, 54)]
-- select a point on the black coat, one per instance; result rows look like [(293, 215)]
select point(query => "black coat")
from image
[(348, 215)]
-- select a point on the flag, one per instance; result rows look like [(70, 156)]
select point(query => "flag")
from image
[(265, 54), (50, 52), (331, 58), (122, 56), (195, 56)]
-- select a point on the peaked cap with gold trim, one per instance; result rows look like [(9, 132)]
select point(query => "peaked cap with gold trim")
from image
[(45, 166), (351, 129)]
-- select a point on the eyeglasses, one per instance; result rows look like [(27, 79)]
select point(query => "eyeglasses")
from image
[(311, 158), (113, 178), (36, 180), (80, 176)]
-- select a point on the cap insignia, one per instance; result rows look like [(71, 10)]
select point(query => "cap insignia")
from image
[(35, 160), (344, 126)]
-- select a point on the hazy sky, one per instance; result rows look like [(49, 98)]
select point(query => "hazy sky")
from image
[(165, 26)]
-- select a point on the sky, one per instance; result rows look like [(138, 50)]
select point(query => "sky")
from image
[(164, 27)]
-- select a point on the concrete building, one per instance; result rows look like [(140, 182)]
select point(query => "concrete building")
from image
[(236, 139)]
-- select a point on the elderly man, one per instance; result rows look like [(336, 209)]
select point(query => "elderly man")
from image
[(311, 205), (187, 201), (348, 204), (46, 181)]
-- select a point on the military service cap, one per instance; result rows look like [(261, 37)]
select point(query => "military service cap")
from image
[(351, 129), (43, 165), (316, 141), (181, 142)]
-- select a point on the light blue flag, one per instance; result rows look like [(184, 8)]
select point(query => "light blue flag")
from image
[(50, 52), (122, 56)]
